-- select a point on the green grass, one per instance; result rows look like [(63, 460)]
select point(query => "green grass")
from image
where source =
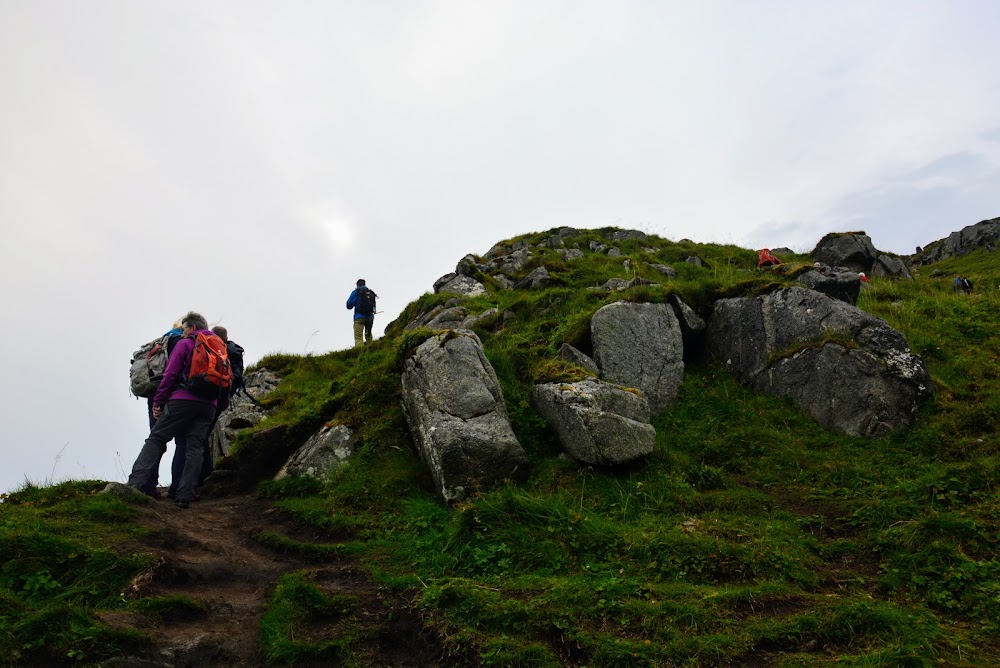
[(750, 536), (296, 602), (57, 572)]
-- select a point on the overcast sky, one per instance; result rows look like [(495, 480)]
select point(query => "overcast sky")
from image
[(252, 159)]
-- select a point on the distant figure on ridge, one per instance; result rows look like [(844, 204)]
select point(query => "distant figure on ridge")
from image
[(962, 284), (195, 383), (767, 258), (362, 300)]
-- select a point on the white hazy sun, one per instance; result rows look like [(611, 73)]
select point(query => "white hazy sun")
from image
[(340, 232)]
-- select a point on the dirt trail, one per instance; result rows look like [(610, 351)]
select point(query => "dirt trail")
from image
[(210, 553)]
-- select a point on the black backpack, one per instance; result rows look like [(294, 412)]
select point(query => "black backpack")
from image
[(235, 353), (366, 301)]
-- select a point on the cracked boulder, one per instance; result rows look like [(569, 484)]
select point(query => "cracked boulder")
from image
[(456, 415), (597, 423), (851, 371)]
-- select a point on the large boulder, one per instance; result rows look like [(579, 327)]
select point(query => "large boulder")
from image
[(457, 417), (597, 423), (846, 368), (640, 345), (837, 282), (853, 250), (984, 234), (325, 452)]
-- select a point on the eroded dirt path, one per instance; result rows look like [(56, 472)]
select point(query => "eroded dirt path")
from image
[(211, 554)]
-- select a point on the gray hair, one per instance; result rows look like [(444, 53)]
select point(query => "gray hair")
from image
[(195, 320)]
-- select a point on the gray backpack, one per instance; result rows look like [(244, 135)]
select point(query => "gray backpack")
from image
[(148, 365)]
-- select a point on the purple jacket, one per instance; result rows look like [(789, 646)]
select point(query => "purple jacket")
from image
[(178, 364)]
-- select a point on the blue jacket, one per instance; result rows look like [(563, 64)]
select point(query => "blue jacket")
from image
[(352, 302)]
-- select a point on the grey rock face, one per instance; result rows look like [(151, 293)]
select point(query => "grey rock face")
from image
[(597, 423), (321, 455), (457, 417), (459, 284), (467, 266), (985, 234), (640, 345), (449, 316), (503, 281), (503, 248), (893, 267), (665, 270), (837, 282), (627, 235), (538, 279), (869, 388), (613, 284), (574, 356), (242, 412), (570, 254), (510, 264), (853, 251), (695, 260)]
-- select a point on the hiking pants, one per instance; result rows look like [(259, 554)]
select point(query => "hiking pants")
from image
[(179, 446), (363, 326), (180, 417), (180, 459)]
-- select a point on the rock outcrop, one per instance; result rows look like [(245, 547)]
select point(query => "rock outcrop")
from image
[(457, 417), (459, 284), (243, 411), (984, 234), (849, 370), (641, 346), (597, 423), (853, 250)]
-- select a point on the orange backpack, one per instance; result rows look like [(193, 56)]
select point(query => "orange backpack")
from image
[(210, 374)]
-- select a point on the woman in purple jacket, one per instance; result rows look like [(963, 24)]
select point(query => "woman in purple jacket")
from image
[(179, 412)]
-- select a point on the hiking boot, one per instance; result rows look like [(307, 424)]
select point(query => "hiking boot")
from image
[(182, 504)]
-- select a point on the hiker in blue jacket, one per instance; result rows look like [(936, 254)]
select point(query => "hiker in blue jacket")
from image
[(362, 300)]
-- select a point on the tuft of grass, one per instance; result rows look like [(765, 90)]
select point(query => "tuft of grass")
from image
[(297, 601)]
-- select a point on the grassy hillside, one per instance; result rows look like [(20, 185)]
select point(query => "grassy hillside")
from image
[(749, 537)]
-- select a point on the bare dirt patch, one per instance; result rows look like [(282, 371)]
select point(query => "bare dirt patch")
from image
[(208, 554)]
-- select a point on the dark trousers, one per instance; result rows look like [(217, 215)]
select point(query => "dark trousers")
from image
[(180, 445), (180, 460), (190, 419)]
